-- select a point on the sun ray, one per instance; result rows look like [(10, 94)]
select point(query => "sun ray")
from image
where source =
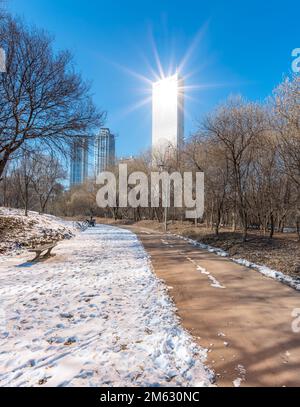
[(125, 69), (156, 54), (154, 74), (158, 72), (136, 106), (193, 46)]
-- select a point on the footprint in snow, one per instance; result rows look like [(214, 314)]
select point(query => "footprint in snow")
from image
[(67, 315)]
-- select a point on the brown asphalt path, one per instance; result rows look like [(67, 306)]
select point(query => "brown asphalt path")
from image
[(241, 316)]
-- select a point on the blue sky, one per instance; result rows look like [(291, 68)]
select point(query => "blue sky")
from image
[(235, 47)]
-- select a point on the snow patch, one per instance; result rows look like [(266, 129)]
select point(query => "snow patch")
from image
[(94, 315), (266, 271), (237, 382), (20, 231), (214, 282)]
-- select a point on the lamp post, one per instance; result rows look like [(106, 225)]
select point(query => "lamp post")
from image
[(162, 167), (166, 208)]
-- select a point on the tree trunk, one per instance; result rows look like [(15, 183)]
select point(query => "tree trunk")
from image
[(245, 226), (3, 162), (4, 198), (26, 200), (234, 221), (272, 226), (212, 216), (218, 222)]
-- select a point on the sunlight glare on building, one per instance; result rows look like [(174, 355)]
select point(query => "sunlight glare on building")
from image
[(167, 114)]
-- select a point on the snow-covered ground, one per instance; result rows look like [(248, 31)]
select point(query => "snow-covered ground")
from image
[(266, 271), (19, 231), (93, 315)]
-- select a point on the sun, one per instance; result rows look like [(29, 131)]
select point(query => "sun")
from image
[(166, 90), (170, 84)]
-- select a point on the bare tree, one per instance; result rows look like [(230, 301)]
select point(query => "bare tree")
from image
[(238, 126), (43, 101), (22, 177), (286, 123), (47, 171)]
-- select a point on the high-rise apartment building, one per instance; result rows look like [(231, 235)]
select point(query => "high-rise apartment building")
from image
[(104, 150), (79, 161)]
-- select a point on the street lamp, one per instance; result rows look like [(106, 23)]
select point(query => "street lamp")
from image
[(162, 168)]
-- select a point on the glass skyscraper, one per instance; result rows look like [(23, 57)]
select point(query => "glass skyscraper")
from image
[(167, 115), (79, 161), (104, 151)]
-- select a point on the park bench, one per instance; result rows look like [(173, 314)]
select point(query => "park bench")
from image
[(92, 223), (43, 248)]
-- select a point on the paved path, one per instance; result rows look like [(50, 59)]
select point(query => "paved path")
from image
[(243, 317)]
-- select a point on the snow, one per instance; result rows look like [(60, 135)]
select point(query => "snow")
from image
[(204, 246), (266, 271), (213, 281), (32, 229), (242, 373), (93, 315), (237, 382)]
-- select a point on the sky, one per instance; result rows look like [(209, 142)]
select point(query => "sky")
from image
[(222, 47)]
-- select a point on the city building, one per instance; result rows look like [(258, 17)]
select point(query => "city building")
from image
[(104, 151), (79, 161), (126, 160), (167, 116)]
